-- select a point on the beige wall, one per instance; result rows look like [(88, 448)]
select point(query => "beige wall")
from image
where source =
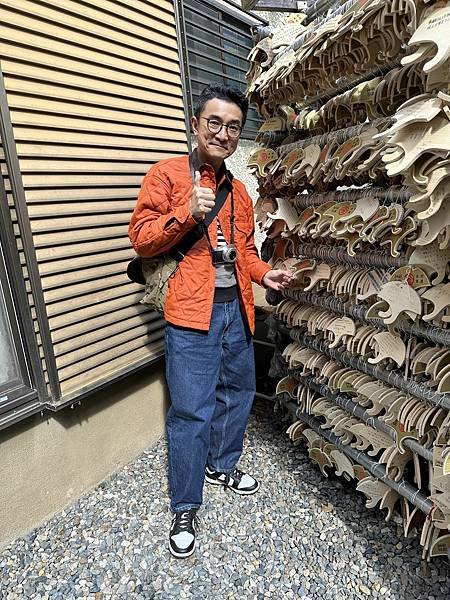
[(237, 163), (47, 462)]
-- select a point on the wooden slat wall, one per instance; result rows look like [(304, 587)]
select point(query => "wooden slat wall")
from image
[(95, 97)]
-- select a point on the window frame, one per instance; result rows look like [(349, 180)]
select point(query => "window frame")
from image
[(27, 395), (19, 397), (18, 389)]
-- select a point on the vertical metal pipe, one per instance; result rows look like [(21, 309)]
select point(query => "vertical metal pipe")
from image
[(184, 69)]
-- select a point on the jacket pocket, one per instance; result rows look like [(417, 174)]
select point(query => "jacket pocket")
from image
[(241, 233)]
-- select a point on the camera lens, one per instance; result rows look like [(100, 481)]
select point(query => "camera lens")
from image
[(232, 254)]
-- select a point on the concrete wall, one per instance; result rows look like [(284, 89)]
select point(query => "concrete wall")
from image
[(237, 163), (47, 462)]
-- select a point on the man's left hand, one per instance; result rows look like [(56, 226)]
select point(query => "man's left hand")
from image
[(277, 279)]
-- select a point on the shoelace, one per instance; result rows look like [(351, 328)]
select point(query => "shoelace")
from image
[(235, 474), (182, 521)]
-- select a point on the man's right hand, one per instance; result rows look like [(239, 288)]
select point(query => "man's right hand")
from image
[(202, 199)]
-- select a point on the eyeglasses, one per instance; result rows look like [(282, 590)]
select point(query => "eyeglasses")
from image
[(214, 126)]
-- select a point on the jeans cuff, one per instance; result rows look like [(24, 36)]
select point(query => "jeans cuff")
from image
[(185, 507), (226, 471)]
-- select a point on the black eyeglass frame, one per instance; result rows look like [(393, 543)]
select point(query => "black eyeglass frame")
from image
[(222, 125)]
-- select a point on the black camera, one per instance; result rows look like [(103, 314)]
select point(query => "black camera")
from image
[(224, 254)]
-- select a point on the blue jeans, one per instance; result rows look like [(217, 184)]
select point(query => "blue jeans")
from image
[(211, 380)]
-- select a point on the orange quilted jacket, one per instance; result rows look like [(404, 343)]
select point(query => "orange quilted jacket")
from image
[(161, 218)]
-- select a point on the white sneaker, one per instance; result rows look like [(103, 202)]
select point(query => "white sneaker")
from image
[(182, 533), (241, 483)]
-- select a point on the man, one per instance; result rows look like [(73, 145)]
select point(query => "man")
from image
[(209, 308)]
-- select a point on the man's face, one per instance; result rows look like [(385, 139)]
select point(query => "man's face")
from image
[(213, 147)]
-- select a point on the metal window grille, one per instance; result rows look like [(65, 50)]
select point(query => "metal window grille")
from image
[(217, 46)]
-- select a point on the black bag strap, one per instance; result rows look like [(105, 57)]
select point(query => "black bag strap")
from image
[(134, 268), (179, 251)]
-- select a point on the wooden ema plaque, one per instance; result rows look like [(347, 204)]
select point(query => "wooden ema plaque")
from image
[(368, 170)]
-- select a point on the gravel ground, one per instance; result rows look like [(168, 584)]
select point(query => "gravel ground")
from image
[(300, 536)]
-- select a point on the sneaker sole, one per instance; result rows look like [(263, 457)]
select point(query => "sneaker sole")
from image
[(223, 484), (183, 555)]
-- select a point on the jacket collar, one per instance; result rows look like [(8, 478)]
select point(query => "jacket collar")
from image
[(222, 176)]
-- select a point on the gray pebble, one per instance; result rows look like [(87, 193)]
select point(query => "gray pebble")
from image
[(112, 542)]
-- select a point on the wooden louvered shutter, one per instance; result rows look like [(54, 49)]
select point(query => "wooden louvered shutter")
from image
[(95, 97)]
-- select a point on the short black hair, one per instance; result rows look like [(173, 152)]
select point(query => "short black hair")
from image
[(221, 92)]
